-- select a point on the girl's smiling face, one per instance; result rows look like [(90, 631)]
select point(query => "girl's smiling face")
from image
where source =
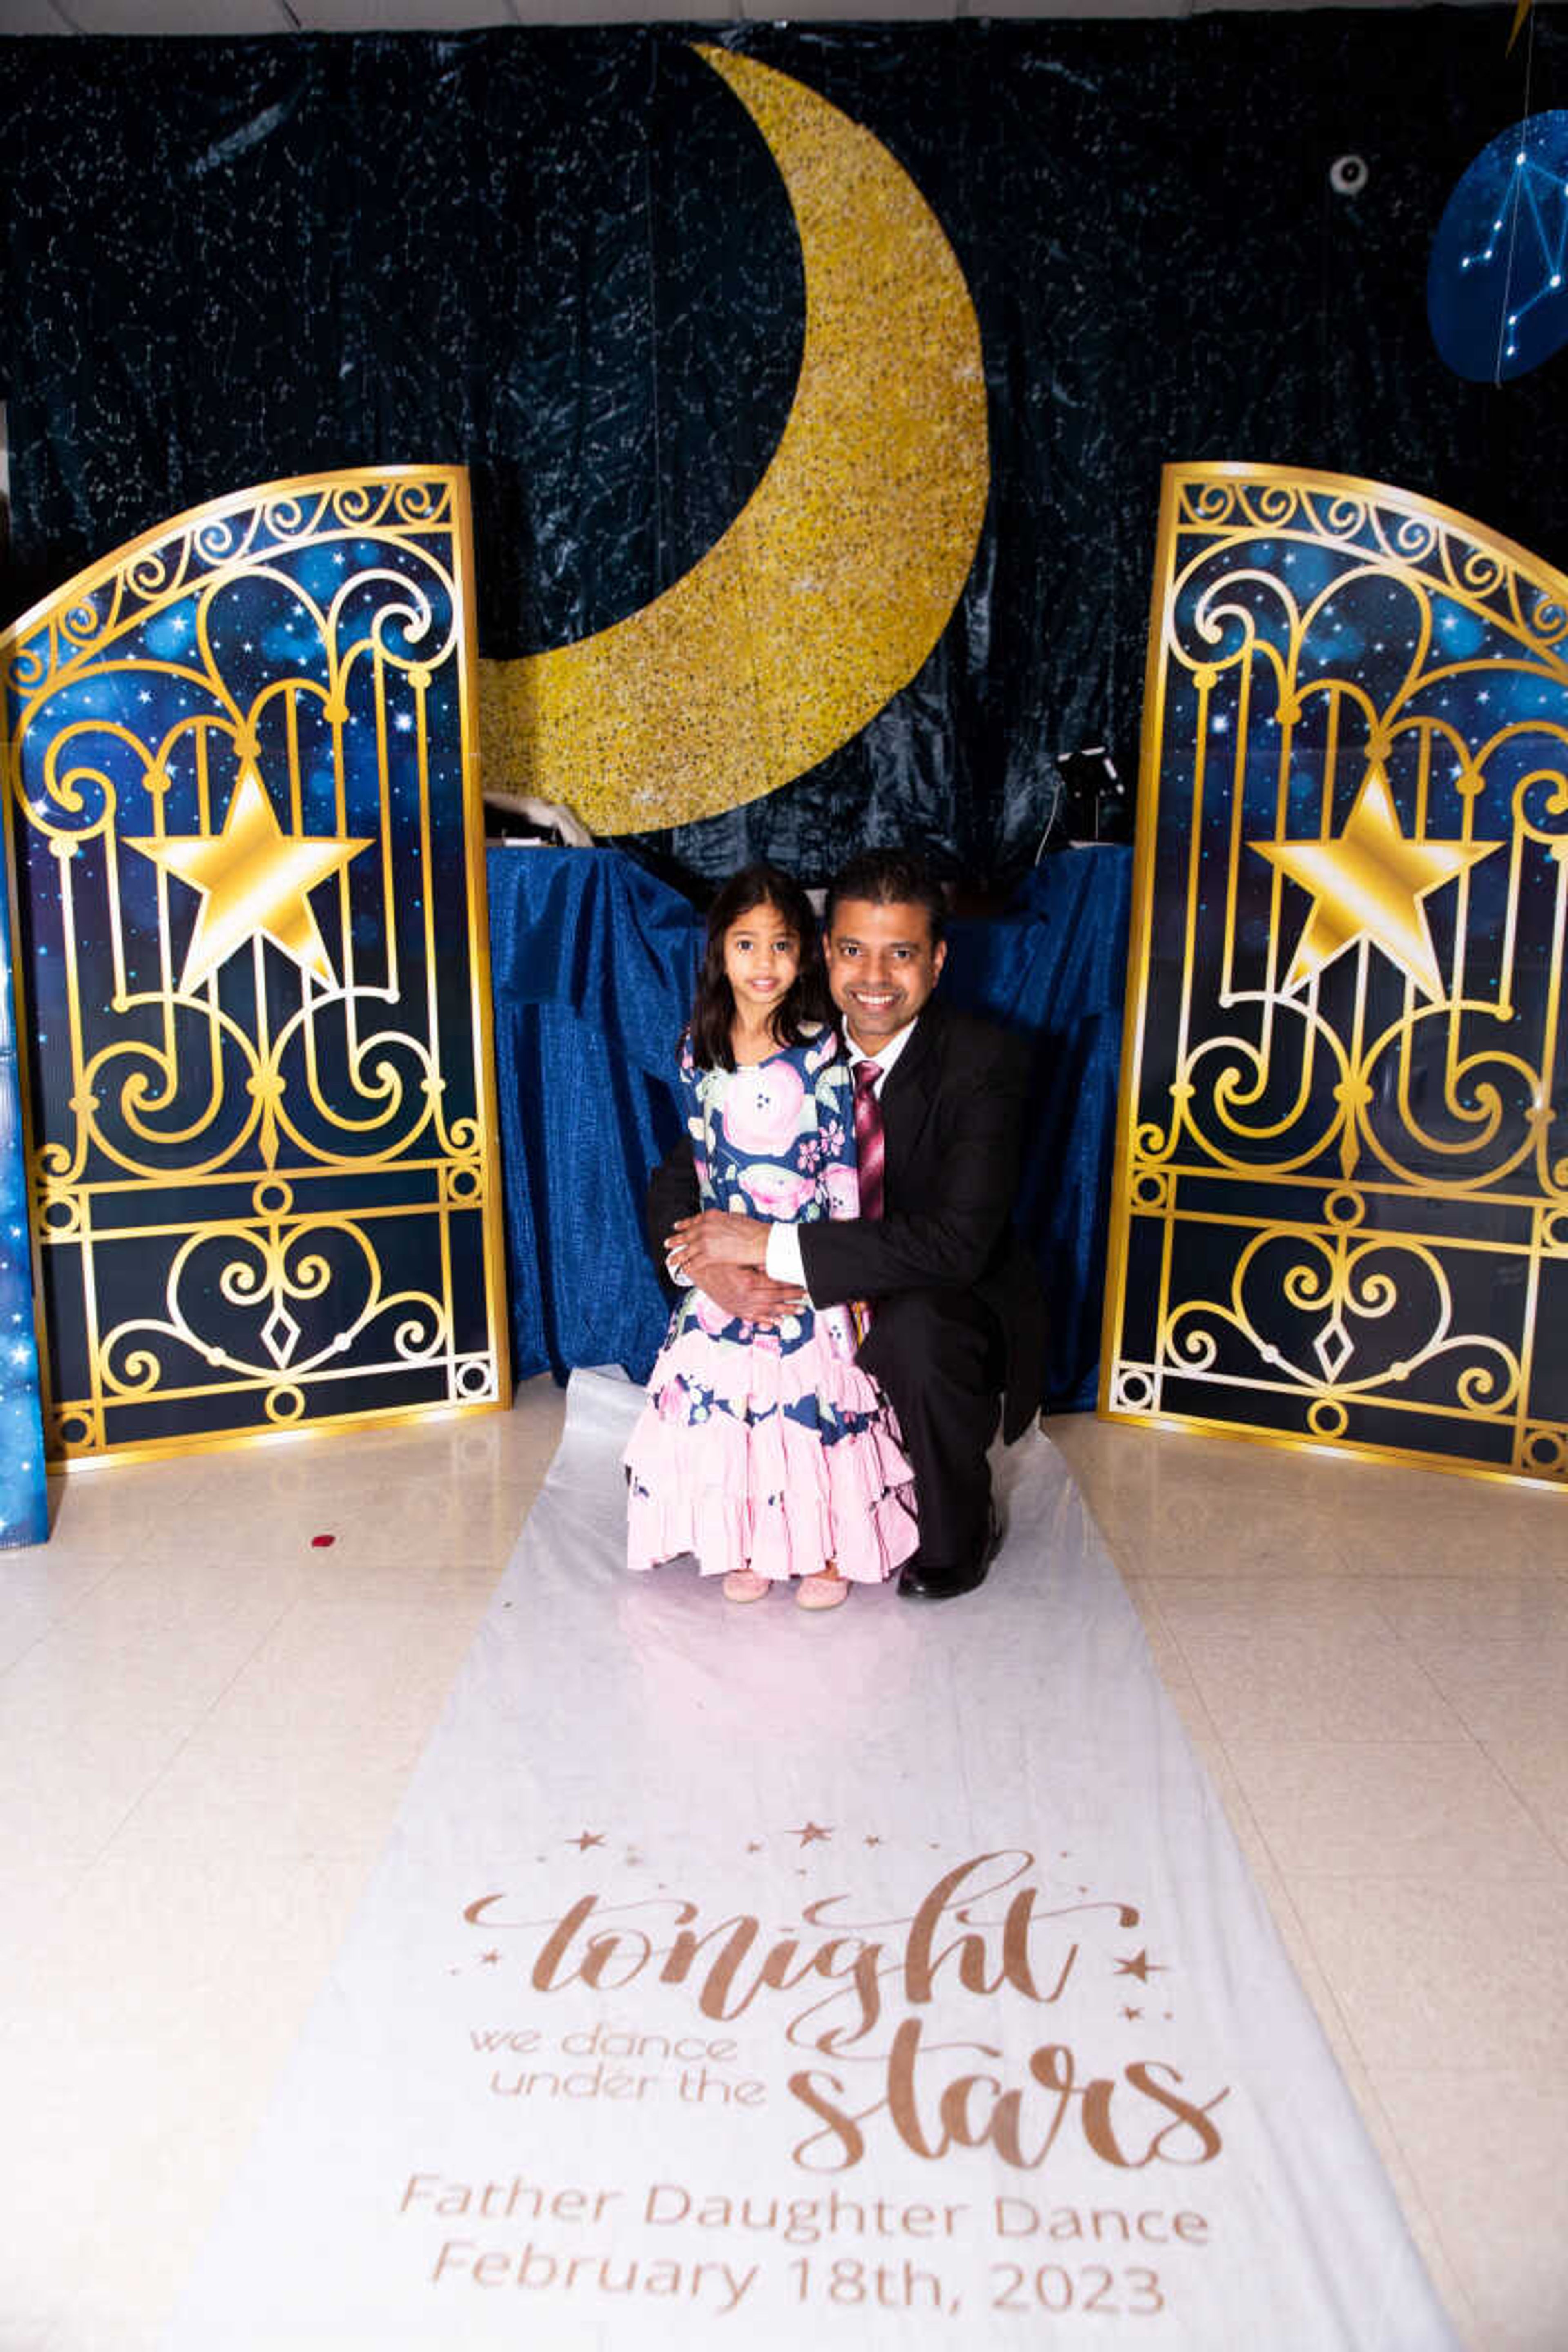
[(761, 961)]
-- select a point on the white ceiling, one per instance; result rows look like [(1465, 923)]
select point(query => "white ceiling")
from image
[(241, 16)]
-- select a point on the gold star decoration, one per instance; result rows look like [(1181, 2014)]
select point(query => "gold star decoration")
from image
[(586, 1838), (810, 1833), (1368, 883), (253, 877)]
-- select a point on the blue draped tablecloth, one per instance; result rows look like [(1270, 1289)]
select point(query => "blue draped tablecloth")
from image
[(593, 963)]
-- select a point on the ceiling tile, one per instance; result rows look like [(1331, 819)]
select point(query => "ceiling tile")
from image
[(851, 12), (183, 17), (31, 16), (400, 16), (624, 12)]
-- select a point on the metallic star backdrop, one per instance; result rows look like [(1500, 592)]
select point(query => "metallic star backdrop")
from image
[(245, 816), (1341, 1205)]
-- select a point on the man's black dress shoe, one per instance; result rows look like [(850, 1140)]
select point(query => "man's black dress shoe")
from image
[(918, 1580)]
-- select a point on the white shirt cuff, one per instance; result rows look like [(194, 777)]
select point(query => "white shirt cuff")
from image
[(783, 1258)]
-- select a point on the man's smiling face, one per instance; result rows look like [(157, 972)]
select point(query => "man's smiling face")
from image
[(882, 964)]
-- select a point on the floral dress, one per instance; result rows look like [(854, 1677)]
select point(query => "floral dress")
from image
[(767, 1447)]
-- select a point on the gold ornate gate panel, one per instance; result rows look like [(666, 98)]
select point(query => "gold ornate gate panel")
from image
[(253, 979), (1341, 1206)]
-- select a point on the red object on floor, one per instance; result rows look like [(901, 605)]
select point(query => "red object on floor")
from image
[(320, 1543)]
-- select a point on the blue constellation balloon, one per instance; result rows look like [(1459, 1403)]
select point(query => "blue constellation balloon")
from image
[(1496, 293)]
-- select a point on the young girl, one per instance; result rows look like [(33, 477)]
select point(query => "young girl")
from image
[(762, 1448)]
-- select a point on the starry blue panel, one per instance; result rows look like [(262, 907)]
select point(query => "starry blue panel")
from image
[(24, 1512), (266, 1190), (1342, 1207)]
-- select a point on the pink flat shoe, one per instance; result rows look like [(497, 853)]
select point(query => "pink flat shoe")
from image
[(743, 1584), (820, 1593)]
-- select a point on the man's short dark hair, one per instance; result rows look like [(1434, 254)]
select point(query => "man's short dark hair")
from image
[(888, 877)]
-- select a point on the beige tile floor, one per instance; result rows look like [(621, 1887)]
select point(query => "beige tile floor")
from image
[(1373, 1662), (207, 1722)]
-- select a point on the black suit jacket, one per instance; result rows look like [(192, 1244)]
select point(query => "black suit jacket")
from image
[(952, 1115)]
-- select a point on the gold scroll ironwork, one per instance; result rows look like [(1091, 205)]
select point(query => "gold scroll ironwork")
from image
[(1340, 1200), (247, 838)]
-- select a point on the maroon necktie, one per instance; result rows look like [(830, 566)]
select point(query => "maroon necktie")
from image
[(868, 1136)]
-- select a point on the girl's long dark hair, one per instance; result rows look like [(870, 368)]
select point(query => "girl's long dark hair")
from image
[(713, 1009)]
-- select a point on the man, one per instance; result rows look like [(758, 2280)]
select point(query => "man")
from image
[(957, 1321)]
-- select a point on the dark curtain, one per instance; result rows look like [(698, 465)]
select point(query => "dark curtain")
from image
[(593, 963), (564, 257)]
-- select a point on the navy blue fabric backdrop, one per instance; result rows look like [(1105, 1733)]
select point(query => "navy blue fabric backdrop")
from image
[(593, 963)]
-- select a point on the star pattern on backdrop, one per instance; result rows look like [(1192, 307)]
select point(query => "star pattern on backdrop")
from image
[(254, 879), (1368, 882)]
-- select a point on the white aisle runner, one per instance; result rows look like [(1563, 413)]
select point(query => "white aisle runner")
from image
[(887, 1978)]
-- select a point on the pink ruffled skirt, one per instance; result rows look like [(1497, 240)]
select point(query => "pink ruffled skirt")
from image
[(719, 1467)]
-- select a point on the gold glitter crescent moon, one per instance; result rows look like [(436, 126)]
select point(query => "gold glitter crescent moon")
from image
[(834, 582)]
